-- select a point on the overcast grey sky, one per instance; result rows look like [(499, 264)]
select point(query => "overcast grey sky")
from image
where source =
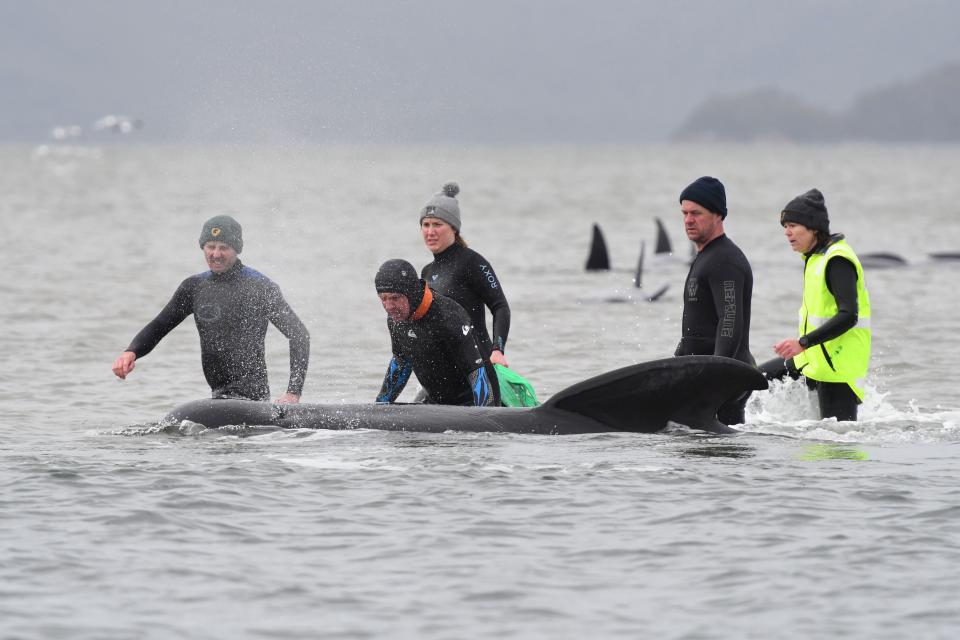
[(498, 71)]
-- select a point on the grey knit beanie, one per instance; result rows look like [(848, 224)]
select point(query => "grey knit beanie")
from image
[(222, 229), (444, 205)]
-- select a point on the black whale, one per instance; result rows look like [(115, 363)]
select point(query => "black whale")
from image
[(640, 398)]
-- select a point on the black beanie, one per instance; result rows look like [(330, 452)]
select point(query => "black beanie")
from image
[(708, 193), (399, 276), (222, 229), (807, 209)]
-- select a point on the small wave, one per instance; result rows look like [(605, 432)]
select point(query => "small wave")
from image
[(789, 408), (184, 428), (339, 464), (281, 434), (150, 429)]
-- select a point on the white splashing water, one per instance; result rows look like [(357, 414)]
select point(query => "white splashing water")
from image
[(789, 408)]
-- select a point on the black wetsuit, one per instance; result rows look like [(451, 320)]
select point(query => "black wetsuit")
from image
[(836, 399), (231, 311), (716, 311), (441, 349), (464, 275)]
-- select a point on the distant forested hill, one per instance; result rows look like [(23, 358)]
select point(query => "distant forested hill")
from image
[(926, 109)]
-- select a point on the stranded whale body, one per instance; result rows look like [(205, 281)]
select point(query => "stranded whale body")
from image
[(641, 398)]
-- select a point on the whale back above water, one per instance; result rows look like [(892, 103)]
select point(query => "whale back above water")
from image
[(641, 398)]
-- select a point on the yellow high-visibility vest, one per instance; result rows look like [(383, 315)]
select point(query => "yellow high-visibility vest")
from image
[(845, 358)]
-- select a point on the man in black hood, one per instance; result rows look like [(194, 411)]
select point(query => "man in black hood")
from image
[(431, 336)]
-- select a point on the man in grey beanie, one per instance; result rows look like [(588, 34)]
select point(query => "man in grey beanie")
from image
[(231, 304)]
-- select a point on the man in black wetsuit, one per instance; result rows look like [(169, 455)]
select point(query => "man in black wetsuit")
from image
[(231, 304), (719, 287), (431, 336)]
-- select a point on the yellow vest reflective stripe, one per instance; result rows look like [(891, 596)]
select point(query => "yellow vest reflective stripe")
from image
[(845, 358)]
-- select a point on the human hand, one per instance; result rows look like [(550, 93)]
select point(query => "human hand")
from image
[(496, 357), (786, 349), (124, 364)]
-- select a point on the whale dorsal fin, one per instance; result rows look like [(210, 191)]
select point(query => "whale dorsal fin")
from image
[(644, 397), (599, 259), (638, 276), (663, 240)]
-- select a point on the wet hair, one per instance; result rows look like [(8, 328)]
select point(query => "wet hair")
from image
[(458, 239)]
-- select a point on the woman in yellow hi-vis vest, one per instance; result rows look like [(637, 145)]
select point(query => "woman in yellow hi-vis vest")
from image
[(833, 348)]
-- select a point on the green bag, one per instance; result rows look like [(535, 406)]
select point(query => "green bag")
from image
[(515, 390)]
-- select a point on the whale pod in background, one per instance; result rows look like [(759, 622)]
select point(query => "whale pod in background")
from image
[(599, 260), (599, 257), (642, 398), (886, 260)]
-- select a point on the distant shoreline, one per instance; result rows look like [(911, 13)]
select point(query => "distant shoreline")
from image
[(922, 110)]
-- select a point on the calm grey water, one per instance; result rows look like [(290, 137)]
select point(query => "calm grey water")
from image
[(111, 527)]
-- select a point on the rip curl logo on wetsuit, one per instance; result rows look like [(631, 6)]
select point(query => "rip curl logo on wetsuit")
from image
[(434, 277), (692, 289), (729, 309), (466, 329), (488, 274), (411, 334), (209, 312), (215, 231)]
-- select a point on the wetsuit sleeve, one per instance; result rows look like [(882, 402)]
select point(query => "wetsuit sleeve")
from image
[(727, 286), (483, 391), (284, 319), (179, 307), (485, 282), (842, 283), (398, 372)]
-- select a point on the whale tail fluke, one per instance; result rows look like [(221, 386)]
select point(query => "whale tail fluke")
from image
[(644, 397), (599, 259)]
